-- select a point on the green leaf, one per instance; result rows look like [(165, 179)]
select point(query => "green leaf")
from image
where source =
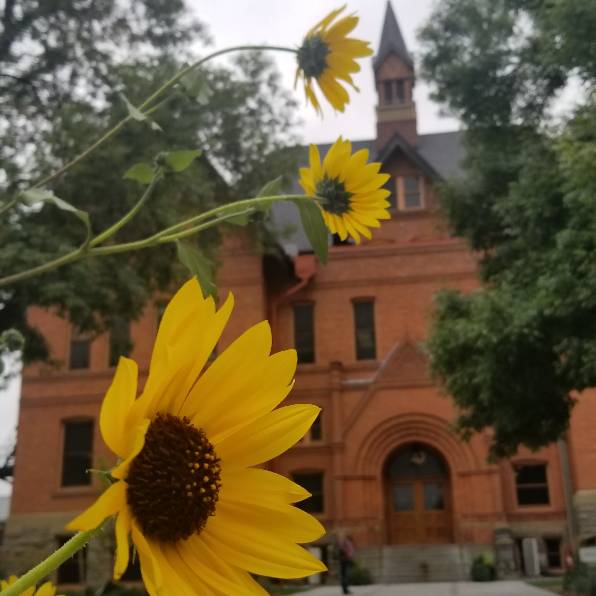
[(196, 87), (133, 112), (199, 265), (315, 228), (141, 172), (241, 219), (44, 195), (271, 188), (180, 160)]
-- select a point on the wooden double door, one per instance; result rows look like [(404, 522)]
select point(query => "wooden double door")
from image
[(418, 498)]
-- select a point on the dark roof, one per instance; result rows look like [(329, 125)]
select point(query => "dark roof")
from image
[(442, 151), (392, 41)]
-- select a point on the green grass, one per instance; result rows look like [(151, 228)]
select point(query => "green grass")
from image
[(552, 584)]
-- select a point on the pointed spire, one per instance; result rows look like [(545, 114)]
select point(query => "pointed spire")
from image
[(392, 40)]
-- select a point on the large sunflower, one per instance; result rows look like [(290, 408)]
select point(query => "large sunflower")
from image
[(46, 589), (201, 517), (328, 56), (355, 199)]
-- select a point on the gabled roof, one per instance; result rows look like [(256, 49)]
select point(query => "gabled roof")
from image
[(397, 142), (441, 155), (392, 41)]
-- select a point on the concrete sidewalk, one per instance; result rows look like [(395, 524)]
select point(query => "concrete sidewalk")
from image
[(501, 588)]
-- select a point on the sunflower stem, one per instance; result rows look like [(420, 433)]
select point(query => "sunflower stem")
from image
[(43, 569), (183, 229), (144, 107)]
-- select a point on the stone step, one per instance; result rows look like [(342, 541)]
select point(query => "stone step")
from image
[(419, 563)]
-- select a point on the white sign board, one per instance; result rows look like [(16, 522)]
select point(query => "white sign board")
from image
[(587, 554)]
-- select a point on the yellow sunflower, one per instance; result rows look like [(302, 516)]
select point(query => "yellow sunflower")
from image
[(201, 517), (328, 56), (46, 589), (355, 199)]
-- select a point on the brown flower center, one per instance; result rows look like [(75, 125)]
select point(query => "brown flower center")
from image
[(174, 482)]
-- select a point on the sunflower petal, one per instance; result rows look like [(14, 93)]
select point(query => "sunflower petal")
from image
[(123, 527), (150, 570), (255, 485), (214, 571), (116, 405), (121, 470), (266, 437), (271, 557), (111, 501)]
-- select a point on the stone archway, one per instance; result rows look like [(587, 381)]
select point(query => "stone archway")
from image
[(418, 500)]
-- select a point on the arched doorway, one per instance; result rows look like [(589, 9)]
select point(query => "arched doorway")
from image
[(418, 496)]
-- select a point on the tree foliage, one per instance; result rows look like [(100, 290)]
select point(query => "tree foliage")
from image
[(513, 353), (98, 53)]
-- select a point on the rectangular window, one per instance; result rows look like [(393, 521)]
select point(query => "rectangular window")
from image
[(120, 342), (412, 194), (316, 430), (553, 552), (73, 570), (77, 454), (391, 186), (400, 93), (364, 323), (304, 332), (80, 351), (388, 89), (313, 483), (531, 484)]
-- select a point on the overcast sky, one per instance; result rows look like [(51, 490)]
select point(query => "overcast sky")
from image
[(279, 22)]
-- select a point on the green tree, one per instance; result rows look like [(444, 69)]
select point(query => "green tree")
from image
[(512, 353), (238, 116)]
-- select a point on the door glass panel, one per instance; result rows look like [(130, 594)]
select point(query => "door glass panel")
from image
[(403, 497), (433, 496)]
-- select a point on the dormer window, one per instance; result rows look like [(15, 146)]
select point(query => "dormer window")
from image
[(410, 193), (394, 92)]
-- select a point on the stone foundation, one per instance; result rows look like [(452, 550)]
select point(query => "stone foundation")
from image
[(584, 502), (30, 538)]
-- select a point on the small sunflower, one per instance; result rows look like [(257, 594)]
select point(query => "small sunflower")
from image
[(328, 56), (353, 190), (46, 589), (201, 517)]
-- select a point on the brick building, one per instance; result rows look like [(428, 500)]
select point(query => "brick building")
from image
[(381, 462)]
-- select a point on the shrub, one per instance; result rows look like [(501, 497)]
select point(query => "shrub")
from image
[(359, 576), (482, 569)]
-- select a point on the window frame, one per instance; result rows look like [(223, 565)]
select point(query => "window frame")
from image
[(80, 338), (308, 439), (321, 494), (63, 459), (295, 307), (355, 303), (401, 193), (533, 485)]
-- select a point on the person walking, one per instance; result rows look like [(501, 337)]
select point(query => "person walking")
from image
[(346, 560)]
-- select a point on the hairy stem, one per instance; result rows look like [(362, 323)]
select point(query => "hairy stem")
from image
[(39, 572), (167, 85)]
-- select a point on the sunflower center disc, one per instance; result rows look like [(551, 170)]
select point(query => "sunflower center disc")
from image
[(338, 198), (312, 56), (174, 482)]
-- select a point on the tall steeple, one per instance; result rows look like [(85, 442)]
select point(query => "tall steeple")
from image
[(394, 78)]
